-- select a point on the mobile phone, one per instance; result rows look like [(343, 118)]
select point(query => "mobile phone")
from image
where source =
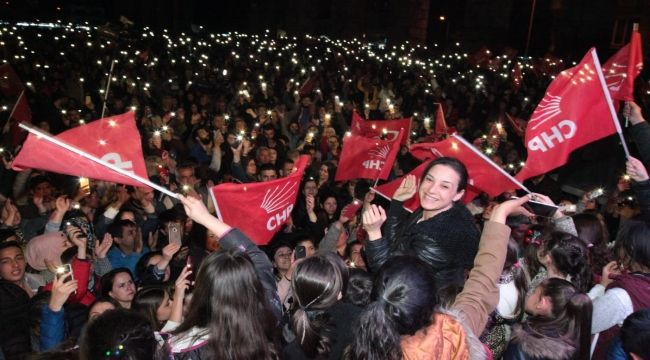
[(540, 209), (84, 185), (64, 271), (350, 211), (174, 233), (301, 252), (191, 277)]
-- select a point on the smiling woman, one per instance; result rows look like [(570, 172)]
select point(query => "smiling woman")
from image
[(441, 232)]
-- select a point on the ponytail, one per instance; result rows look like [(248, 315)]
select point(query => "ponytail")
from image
[(377, 336), (579, 308), (521, 283), (313, 332)]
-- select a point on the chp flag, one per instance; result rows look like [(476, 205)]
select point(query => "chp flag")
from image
[(114, 140), (259, 209), (622, 68), (484, 174), (575, 111), (367, 158), (389, 129)]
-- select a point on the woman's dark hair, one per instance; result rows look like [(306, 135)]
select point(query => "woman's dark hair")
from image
[(453, 163), (359, 288), (594, 233), (119, 334), (635, 333), (147, 301), (106, 283), (316, 283), (228, 299), (404, 299), (570, 257), (570, 317), (513, 266), (632, 243), (331, 172), (534, 241)]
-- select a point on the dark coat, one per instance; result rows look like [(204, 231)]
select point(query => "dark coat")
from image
[(14, 321), (448, 241), (527, 346)]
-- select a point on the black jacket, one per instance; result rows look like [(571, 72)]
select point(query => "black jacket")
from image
[(14, 322), (448, 241)]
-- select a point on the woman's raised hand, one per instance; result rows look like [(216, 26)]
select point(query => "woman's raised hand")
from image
[(373, 218), (406, 189)]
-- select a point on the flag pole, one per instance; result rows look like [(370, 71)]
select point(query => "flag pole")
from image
[(93, 158), (489, 161), (108, 86), (16, 104), (635, 28), (603, 85)]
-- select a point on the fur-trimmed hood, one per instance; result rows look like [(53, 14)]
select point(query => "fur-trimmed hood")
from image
[(541, 347)]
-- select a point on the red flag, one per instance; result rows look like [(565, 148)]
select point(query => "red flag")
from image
[(575, 111), (376, 128), (308, 86), (484, 174), (10, 84), (388, 189), (21, 112), (259, 209), (113, 139), (366, 158), (441, 124), (517, 77), (622, 68)]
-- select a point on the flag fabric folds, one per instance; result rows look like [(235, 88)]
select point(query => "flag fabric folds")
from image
[(259, 209), (389, 129), (114, 139), (575, 111), (441, 124), (622, 68), (367, 158), (10, 84), (484, 174)]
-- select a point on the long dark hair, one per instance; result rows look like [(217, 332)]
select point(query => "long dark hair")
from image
[(147, 301), (317, 283), (570, 317), (453, 163), (119, 334), (571, 257), (594, 233), (633, 245), (513, 266), (229, 301), (404, 301)]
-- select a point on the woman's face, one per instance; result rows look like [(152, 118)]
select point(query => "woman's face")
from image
[(310, 188), (12, 264), (282, 258), (211, 241), (438, 189), (323, 173), (123, 289), (355, 256), (329, 206), (251, 168), (310, 249), (164, 311), (538, 304)]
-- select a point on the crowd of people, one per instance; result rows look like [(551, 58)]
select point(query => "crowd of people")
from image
[(102, 270)]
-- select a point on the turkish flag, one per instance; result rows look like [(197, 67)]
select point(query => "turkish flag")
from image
[(376, 128), (259, 209), (517, 77), (575, 111), (441, 124), (388, 189), (622, 68), (114, 139), (484, 174), (10, 84), (367, 158)]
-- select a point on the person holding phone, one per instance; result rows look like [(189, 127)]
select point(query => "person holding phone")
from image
[(441, 232)]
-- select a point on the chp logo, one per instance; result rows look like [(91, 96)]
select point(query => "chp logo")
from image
[(278, 203), (378, 158), (617, 75), (547, 110)]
